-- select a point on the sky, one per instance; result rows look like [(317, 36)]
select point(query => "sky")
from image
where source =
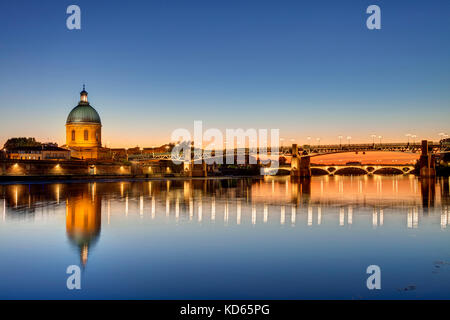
[(308, 68)]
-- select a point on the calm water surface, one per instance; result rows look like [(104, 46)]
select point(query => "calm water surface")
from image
[(227, 239)]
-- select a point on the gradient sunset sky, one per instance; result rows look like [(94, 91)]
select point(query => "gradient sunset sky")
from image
[(309, 68)]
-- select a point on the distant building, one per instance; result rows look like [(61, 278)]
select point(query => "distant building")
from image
[(118, 154), (158, 150), (44, 152), (135, 150), (84, 131)]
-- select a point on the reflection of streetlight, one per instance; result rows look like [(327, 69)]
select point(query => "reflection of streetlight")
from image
[(348, 139)]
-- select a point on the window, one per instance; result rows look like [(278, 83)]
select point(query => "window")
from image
[(96, 136), (86, 135), (73, 135)]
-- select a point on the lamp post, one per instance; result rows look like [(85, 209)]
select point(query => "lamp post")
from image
[(380, 137), (340, 142), (408, 135), (318, 141), (373, 139), (348, 139), (414, 139)]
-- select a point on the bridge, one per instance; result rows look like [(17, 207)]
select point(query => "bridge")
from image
[(316, 150), (338, 148), (351, 169), (301, 161)]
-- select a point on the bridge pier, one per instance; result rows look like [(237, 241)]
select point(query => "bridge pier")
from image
[(300, 166), (195, 169), (427, 162)]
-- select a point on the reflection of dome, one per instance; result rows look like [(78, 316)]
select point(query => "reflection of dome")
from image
[(83, 113), (83, 222)]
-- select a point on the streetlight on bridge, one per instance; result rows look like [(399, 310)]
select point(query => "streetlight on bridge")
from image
[(380, 137), (348, 139), (414, 139), (340, 141), (318, 141), (373, 139), (408, 135)]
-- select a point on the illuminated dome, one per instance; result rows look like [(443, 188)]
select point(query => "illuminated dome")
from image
[(83, 112)]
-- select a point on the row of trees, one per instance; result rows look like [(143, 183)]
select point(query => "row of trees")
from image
[(21, 142)]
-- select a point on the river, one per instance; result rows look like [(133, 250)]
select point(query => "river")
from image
[(270, 238)]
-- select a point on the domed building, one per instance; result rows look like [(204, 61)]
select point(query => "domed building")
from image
[(84, 131)]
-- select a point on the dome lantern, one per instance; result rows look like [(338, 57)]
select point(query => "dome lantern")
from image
[(83, 95)]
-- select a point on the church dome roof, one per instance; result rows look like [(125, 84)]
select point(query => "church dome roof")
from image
[(83, 112)]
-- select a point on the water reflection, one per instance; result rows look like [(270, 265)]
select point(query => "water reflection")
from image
[(83, 218), (338, 201)]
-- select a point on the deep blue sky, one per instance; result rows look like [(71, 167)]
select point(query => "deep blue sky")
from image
[(310, 68)]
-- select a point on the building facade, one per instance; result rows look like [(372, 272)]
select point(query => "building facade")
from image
[(44, 152)]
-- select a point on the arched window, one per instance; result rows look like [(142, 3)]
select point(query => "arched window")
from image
[(86, 135), (73, 135), (96, 135)]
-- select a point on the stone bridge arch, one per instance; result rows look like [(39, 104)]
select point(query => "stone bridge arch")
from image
[(350, 170)]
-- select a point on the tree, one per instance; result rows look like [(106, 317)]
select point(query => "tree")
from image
[(21, 142)]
